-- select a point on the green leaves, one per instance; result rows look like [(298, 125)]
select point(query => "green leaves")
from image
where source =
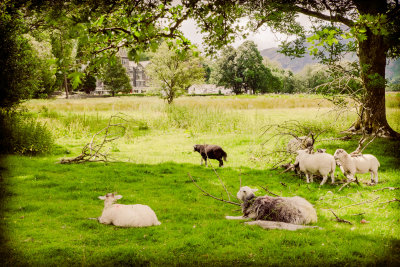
[(76, 78)]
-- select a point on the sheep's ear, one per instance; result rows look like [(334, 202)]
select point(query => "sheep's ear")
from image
[(102, 197), (254, 190), (118, 197)]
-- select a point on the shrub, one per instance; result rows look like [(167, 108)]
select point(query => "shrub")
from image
[(23, 135)]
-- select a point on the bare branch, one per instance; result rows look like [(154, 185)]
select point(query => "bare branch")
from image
[(266, 190), (389, 188), (361, 203), (390, 201), (209, 195), (339, 219)]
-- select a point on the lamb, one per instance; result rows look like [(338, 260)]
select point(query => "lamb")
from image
[(318, 163), (211, 152), (301, 142), (293, 210), (350, 165), (126, 215)]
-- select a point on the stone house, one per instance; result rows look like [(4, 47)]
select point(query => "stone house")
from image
[(136, 73)]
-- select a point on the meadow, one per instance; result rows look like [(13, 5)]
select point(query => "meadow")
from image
[(46, 205)]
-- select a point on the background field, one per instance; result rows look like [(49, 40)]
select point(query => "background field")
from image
[(46, 205)]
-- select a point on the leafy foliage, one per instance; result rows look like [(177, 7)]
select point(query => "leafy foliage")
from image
[(115, 77), (173, 71), (243, 70), (23, 135)]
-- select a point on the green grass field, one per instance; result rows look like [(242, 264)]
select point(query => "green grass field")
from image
[(46, 205)]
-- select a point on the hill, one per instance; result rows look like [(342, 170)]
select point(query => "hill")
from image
[(297, 64)]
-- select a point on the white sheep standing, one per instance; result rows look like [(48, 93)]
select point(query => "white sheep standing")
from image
[(126, 215), (318, 163), (292, 210), (350, 165)]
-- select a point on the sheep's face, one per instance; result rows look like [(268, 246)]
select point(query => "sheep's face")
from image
[(339, 153), (196, 148), (246, 193), (321, 150), (110, 197)]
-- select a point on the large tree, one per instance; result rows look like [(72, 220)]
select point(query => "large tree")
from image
[(172, 71), (115, 77), (374, 26), (243, 70)]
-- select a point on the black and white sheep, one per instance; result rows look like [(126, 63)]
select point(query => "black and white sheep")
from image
[(126, 215), (293, 210), (211, 152), (350, 165)]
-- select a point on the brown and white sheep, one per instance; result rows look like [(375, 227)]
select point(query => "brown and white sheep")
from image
[(211, 152)]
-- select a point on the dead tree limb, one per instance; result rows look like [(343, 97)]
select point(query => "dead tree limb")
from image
[(390, 201), (389, 188), (349, 182), (360, 203), (339, 219), (95, 151), (209, 195), (266, 190), (220, 180)]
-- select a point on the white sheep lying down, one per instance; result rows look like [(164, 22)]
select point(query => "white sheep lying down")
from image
[(316, 164), (126, 215), (350, 165), (292, 210)]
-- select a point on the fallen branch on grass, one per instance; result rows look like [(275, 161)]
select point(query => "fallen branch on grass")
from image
[(209, 195), (349, 182), (390, 201), (339, 219), (266, 190), (96, 151), (389, 188), (361, 203)]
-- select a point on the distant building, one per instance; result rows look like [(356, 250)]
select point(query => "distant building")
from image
[(204, 89), (136, 73)]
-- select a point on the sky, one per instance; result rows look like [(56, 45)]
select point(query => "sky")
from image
[(264, 38)]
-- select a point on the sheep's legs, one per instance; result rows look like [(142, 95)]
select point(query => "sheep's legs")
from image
[(309, 177), (221, 163), (374, 177), (324, 178)]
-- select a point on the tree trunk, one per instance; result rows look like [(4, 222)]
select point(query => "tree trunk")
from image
[(372, 56), (66, 85)]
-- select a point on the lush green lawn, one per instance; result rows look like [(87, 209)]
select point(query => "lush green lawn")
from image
[(46, 205)]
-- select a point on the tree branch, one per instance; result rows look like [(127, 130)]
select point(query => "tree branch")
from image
[(209, 195), (319, 15)]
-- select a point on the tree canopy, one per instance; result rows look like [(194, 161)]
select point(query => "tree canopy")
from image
[(173, 71), (371, 28)]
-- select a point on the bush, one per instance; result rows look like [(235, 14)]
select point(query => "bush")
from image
[(23, 135)]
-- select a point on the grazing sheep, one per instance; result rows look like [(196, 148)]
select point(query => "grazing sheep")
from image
[(350, 165), (126, 215), (318, 163), (301, 142), (294, 210), (211, 152)]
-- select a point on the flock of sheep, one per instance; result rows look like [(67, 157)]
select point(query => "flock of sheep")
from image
[(292, 210)]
